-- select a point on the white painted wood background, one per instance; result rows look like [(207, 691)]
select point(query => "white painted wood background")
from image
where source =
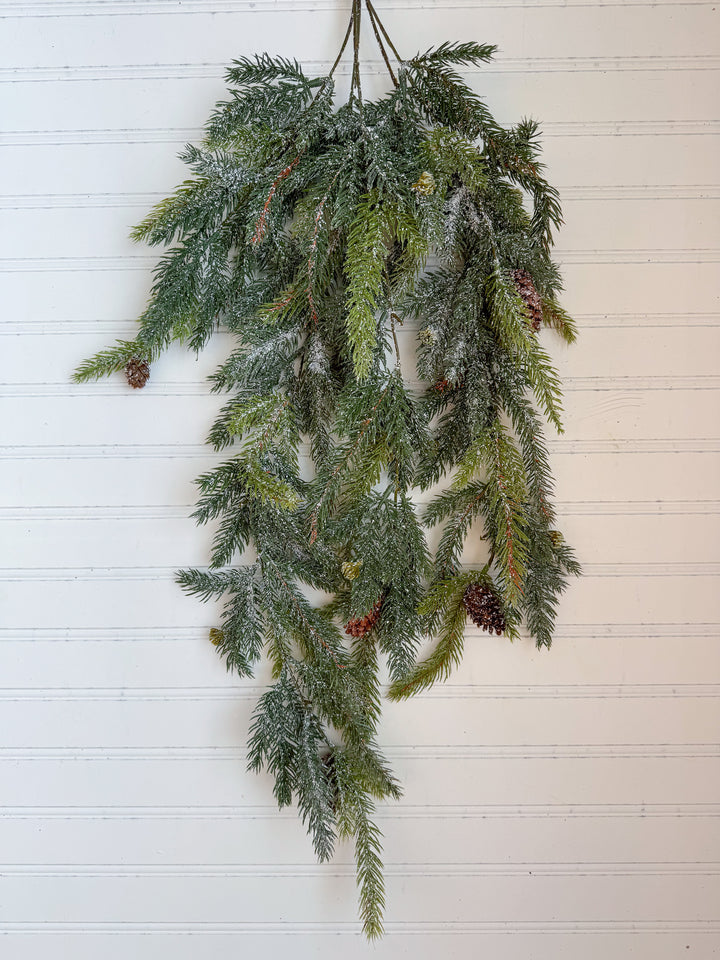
[(557, 805)]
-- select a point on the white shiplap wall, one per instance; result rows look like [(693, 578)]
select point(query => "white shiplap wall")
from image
[(557, 805)]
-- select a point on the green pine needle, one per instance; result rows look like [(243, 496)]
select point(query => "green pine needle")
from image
[(364, 267)]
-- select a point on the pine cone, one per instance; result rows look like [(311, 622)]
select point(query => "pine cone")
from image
[(216, 636), (442, 385), (362, 625), (484, 608), (425, 185), (351, 569), (137, 372), (531, 298)]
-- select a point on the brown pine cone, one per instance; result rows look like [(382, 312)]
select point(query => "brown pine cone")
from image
[(362, 625), (442, 385), (484, 608), (530, 296), (137, 372)]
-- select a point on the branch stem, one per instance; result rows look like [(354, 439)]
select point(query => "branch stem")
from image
[(375, 24), (374, 15), (355, 85), (334, 67)]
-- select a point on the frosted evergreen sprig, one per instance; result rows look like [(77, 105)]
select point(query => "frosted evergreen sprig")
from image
[(309, 231)]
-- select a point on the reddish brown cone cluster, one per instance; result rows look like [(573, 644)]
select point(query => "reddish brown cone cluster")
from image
[(442, 385), (362, 625), (484, 608), (137, 372), (530, 296)]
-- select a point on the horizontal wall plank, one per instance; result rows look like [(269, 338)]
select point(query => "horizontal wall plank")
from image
[(310, 899), (149, 167), (59, 354), (629, 414), (94, 541), (665, 96), (548, 942), (104, 8), (161, 779), (629, 288), (108, 41), (165, 658), (98, 477), (663, 940), (637, 289), (89, 599), (613, 722), (117, 837), (589, 224)]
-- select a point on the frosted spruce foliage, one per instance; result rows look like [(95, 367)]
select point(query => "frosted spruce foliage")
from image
[(311, 233)]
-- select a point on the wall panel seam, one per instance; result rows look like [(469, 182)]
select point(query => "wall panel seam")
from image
[(448, 928), (437, 752), (180, 136), (386, 811), (620, 446), (127, 513), (617, 569), (47, 9), (80, 327), (250, 692), (193, 388), (123, 264), (160, 634), (100, 73), (260, 870), (126, 201)]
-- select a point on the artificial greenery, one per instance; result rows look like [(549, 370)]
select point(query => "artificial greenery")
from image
[(312, 232)]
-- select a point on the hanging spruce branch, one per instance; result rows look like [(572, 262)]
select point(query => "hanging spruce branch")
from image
[(311, 233)]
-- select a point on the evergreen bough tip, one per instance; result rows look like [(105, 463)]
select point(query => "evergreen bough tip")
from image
[(310, 233)]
